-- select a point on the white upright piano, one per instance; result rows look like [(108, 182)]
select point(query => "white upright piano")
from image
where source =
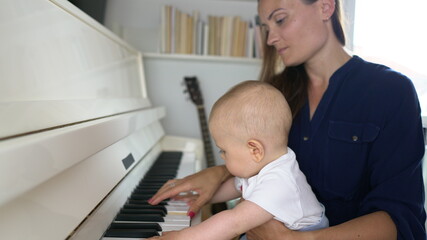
[(77, 130)]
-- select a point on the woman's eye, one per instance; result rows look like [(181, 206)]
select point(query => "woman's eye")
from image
[(280, 21), (221, 151)]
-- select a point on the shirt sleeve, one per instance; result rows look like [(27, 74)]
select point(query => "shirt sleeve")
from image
[(395, 162), (238, 184)]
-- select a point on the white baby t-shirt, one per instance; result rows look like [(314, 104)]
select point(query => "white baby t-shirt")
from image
[(282, 189)]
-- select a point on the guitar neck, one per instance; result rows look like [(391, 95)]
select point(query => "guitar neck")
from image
[(210, 160)]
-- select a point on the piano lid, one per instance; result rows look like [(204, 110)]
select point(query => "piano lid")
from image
[(58, 67)]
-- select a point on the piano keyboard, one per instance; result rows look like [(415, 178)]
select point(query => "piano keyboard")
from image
[(137, 219), (126, 207)]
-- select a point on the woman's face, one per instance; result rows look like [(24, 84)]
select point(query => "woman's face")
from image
[(297, 30)]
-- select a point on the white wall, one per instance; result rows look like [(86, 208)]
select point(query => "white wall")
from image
[(165, 87)]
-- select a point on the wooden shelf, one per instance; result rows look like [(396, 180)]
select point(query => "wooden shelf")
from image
[(187, 57)]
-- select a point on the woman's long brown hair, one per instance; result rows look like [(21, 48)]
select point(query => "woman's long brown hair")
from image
[(293, 81)]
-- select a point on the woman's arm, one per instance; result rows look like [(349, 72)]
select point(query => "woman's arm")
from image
[(374, 226), (226, 192), (205, 183)]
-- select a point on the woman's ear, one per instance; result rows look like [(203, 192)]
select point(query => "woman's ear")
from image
[(256, 150), (328, 8)]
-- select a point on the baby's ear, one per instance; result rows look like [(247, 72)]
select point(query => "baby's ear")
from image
[(256, 150)]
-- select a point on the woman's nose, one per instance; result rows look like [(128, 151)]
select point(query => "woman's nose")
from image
[(271, 38)]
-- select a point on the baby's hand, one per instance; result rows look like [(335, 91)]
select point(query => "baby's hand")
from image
[(172, 235)]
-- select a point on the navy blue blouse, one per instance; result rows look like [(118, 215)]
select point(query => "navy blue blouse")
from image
[(362, 150)]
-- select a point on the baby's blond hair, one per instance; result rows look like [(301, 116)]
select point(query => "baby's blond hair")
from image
[(254, 110)]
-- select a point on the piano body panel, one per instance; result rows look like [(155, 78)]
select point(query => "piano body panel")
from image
[(26, 162), (58, 66), (19, 115)]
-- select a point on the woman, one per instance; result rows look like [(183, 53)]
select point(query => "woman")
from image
[(357, 130)]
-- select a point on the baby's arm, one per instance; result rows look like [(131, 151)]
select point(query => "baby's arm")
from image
[(226, 224)]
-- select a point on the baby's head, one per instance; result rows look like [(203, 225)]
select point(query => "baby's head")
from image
[(254, 115)]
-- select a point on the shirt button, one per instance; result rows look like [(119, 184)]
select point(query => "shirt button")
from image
[(355, 138), (305, 138)]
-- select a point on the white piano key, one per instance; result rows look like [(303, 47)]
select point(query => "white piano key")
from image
[(170, 220), (177, 209), (177, 203), (177, 225), (166, 229), (173, 228), (177, 218), (187, 165)]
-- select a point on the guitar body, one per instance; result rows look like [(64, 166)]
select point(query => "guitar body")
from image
[(196, 97)]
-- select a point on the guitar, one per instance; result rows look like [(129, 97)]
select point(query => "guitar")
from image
[(193, 89), (196, 97)]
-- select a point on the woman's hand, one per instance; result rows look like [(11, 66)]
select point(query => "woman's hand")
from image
[(205, 183)]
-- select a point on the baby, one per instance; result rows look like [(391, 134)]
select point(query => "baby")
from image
[(250, 125)]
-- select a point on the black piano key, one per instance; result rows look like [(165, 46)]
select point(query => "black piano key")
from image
[(168, 168), (168, 165), (144, 191), (131, 233), (137, 206), (142, 202), (149, 185), (154, 226), (161, 176), (144, 197), (167, 161), (139, 217), (143, 211), (166, 173), (157, 180), (171, 154), (161, 160)]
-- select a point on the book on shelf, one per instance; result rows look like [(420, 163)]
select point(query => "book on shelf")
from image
[(250, 38), (185, 33), (258, 39)]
